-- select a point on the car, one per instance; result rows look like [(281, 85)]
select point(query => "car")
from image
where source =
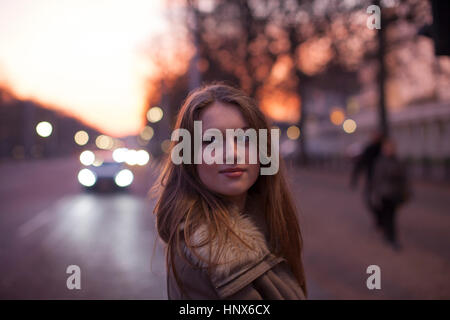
[(104, 174)]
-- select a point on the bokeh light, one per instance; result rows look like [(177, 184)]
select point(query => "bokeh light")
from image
[(104, 142), (124, 178), (349, 126), (87, 157), (81, 138), (142, 157), (165, 146), (147, 133), (86, 177), (131, 157), (293, 132), (352, 106), (44, 129), (154, 114), (337, 116), (120, 154), (97, 162)]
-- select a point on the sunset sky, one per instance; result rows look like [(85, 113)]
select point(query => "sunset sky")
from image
[(82, 56)]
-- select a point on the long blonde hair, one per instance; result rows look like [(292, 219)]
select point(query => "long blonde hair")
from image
[(184, 201)]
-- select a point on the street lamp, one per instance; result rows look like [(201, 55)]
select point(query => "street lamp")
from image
[(154, 114), (44, 129), (349, 126), (81, 137)]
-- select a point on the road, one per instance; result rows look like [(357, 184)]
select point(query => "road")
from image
[(48, 223)]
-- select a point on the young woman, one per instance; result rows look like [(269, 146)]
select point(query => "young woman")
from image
[(230, 232)]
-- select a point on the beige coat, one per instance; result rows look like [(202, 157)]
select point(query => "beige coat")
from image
[(242, 273)]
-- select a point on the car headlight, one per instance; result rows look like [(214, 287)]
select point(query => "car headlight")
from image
[(86, 177), (142, 157), (124, 178), (87, 157)]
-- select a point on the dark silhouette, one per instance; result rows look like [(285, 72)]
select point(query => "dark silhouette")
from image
[(390, 189), (365, 163)]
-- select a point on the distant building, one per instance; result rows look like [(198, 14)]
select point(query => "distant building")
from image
[(422, 134), (18, 137)]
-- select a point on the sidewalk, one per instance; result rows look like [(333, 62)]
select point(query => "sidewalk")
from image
[(341, 242)]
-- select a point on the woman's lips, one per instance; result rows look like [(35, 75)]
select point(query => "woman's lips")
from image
[(233, 172)]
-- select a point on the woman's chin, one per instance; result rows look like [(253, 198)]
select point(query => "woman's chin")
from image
[(233, 192)]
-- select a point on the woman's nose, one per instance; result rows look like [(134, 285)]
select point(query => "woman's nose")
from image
[(231, 151)]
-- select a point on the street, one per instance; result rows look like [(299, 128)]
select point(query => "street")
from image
[(341, 241), (48, 223)]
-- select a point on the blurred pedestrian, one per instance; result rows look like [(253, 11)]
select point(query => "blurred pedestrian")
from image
[(365, 163), (390, 190)]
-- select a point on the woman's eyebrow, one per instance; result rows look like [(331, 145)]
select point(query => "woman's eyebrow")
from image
[(224, 130), (242, 128)]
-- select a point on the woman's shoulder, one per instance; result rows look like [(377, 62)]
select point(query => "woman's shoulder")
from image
[(232, 254), (235, 263), (276, 283), (242, 272)]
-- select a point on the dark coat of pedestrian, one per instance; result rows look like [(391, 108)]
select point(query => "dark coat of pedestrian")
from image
[(390, 189), (364, 164)]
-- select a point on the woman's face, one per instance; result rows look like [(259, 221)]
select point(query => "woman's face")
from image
[(220, 178)]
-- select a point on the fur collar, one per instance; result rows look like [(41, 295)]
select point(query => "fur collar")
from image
[(235, 255)]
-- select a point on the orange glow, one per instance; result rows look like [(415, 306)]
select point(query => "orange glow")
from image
[(337, 116), (281, 69), (314, 54), (293, 132), (85, 57), (280, 105)]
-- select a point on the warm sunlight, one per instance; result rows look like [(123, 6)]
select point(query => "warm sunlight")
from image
[(85, 57)]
